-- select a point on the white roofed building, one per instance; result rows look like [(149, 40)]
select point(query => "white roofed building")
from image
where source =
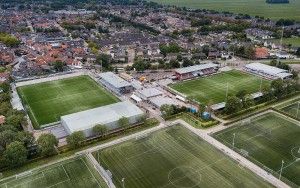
[(115, 83), (267, 71), (105, 115)]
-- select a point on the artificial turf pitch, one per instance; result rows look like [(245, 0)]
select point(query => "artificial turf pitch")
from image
[(292, 109), (73, 173), (173, 157), (268, 139), (212, 89), (47, 102)]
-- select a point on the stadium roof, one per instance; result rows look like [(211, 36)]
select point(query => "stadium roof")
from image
[(103, 115), (114, 80), (267, 69), (195, 68)]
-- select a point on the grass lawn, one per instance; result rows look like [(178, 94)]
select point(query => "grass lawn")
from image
[(47, 102), (268, 139), (74, 173), (173, 157), (294, 41), (251, 7), (212, 89)]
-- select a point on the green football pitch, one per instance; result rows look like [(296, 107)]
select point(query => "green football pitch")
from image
[(251, 7), (292, 109), (73, 173), (267, 140), (213, 89), (173, 157), (47, 102)]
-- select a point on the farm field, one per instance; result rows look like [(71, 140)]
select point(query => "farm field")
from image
[(75, 173), (267, 140), (212, 89), (294, 41), (173, 157), (251, 7), (47, 102)]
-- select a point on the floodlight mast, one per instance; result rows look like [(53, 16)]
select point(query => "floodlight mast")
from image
[(281, 169), (233, 139), (123, 182)]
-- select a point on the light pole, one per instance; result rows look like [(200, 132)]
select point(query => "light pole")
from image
[(260, 84), (297, 110), (227, 91), (123, 182), (233, 139), (281, 169)]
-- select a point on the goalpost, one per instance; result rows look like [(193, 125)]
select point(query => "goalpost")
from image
[(246, 122), (24, 174)]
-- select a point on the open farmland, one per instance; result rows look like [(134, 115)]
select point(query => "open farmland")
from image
[(251, 7), (75, 173), (213, 89), (267, 141), (47, 102), (173, 157)]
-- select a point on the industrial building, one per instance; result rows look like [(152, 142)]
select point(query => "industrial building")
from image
[(115, 83), (267, 71), (105, 115), (196, 70)]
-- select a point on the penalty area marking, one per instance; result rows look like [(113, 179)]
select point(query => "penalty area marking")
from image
[(190, 169), (295, 152)]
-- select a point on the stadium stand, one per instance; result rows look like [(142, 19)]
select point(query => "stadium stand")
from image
[(196, 70), (267, 71)]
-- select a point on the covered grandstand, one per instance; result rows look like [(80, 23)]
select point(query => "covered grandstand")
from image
[(115, 83), (196, 70), (267, 71), (105, 115)]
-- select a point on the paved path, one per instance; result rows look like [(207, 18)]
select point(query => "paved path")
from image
[(123, 139), (234, 155)]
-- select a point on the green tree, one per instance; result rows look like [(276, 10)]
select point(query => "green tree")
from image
[(100, 129), (233, 105), (15, 154), (15, 120), (167, 110), (76, 139), (278, 88), (104, 60), (123, 122), (174, 64), (59, 66), (7, 137), (47, 144)]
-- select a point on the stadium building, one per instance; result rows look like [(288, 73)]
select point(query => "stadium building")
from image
[(195, 71), (148, 93), (267, 71), (105, 115), (115, 83)]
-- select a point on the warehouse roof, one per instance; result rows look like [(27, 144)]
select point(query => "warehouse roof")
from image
[(103, 115), (196, 68), (114, 80)]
